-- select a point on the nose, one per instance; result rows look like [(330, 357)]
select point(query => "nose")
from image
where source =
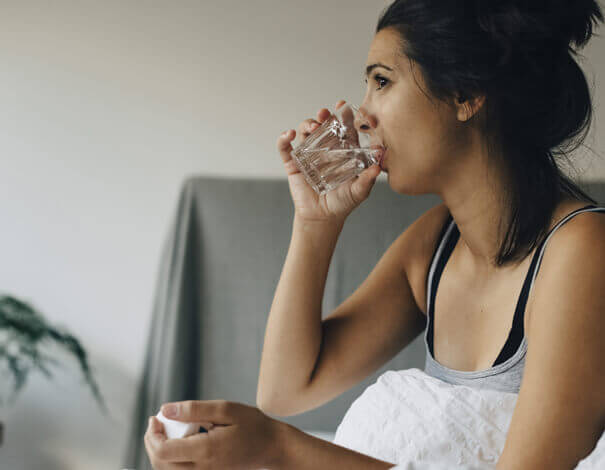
[(364, 121)]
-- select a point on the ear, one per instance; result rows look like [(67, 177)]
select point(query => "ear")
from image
[(466, 108)]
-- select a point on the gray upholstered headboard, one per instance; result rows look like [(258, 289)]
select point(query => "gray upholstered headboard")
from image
[(220, 267)]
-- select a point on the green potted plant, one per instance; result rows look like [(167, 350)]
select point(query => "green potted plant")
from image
[(24, 333)]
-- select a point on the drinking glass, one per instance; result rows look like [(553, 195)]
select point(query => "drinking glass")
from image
[(335, 152)]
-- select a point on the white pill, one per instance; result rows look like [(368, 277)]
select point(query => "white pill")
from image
[(177, 429)]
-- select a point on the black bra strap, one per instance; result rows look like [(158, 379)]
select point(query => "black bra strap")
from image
[(441, 262), (517, 331)]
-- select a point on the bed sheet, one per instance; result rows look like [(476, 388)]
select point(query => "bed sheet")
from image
[(423, 423)]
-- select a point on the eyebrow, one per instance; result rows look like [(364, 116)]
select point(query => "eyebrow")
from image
[(369, 68)]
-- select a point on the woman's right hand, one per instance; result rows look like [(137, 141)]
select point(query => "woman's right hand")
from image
[(336, 204)]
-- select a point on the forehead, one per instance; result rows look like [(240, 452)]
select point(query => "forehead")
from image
[(386, 49)]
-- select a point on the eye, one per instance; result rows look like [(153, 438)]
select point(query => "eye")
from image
[(380, 80)]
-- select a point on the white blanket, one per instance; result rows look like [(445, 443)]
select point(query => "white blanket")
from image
[(422, 423)]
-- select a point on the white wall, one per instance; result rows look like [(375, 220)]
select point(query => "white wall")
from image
[(105, 107)]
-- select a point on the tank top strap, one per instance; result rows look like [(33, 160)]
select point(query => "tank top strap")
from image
[(564, 220), (436, 253), (517, 331), (448, 237)]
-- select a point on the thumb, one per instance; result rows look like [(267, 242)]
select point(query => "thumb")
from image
[(157, 428), (365, 182)]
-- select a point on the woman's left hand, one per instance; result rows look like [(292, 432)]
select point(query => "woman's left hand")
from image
[(243, 437)]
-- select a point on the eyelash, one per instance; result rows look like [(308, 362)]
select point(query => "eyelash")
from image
[(378, 78)]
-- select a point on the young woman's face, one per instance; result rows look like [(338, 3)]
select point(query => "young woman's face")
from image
[(423, 138)]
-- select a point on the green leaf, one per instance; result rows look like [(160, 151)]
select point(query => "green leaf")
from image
[(26, 332)]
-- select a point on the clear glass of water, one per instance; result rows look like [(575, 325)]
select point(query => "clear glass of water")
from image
[(335, 152)]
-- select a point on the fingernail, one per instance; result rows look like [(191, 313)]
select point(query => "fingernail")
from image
[(170, 411)]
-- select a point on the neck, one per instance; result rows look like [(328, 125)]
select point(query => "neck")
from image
[(475, 196)]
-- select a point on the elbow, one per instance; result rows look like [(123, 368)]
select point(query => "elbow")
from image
[(263, 403), (272, 408), (279, 402), (268, 408)]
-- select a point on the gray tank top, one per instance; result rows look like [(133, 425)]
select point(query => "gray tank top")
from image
[(507, 372)]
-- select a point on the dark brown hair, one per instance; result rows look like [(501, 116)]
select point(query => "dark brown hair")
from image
[(537, 108)]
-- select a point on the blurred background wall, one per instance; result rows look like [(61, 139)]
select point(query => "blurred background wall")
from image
[(105, 108)]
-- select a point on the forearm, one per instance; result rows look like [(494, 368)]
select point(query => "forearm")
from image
[(293, 333), (301, 451)]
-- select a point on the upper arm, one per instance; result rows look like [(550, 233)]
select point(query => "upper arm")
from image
[(560, 411), (372, 325)]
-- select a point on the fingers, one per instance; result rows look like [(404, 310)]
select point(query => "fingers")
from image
[(309, 125), (363, 185), (160, 448), (323, 114), (195, 411), (306, 127), (347, 116), (284, 141), (207, 425), (156, 427), (348, 119), (284, 145)]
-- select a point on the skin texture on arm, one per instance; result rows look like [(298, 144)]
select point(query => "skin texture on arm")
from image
[(301, 451), (560, 412), (244, 437)]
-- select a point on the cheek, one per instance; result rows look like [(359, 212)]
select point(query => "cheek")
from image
[(417, 138), (413, 153), (421, 140), (415, 166)]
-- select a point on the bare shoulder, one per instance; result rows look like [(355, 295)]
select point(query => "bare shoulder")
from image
[(577, 244), (585, 230), (585, 224), (418, 245)]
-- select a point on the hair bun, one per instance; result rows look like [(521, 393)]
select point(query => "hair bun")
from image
[(537, 26), (578, 19)]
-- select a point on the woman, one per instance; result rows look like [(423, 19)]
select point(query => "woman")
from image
[(477, 102)]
